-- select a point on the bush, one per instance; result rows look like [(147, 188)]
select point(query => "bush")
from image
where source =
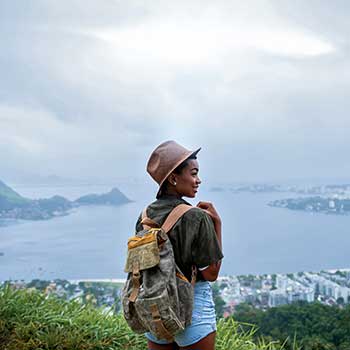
[(32, 320)]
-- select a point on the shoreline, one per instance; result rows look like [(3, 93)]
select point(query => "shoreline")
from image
[(122, 280)]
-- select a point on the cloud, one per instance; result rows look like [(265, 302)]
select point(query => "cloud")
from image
[(90, 88), (175, 43)]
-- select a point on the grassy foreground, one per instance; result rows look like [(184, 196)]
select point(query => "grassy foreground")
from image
[(31, 320)]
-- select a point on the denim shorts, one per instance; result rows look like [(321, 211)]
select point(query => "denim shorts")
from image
[(203, 318)]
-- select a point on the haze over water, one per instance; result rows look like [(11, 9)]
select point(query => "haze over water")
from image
[(91, 241)]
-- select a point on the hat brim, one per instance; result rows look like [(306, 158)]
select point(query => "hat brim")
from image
[(186, 156)]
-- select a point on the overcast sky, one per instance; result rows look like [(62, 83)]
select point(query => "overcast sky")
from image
[(90, 88)]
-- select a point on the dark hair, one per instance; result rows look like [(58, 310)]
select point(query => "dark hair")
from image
[(184, 164), (177, 170)]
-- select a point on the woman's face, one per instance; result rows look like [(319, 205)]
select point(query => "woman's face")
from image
[(187, 182)]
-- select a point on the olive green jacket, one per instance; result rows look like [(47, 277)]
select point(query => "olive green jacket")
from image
[(193, 236)]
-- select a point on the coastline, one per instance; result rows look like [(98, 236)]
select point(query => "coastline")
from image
[(220, 278)]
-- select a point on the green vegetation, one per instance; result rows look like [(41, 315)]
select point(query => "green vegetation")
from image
[(32, 320), (219, 302), (316, 326)]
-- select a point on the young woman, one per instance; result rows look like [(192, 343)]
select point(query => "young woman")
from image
[(196, 240)]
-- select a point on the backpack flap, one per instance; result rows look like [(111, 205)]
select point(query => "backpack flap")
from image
[(143, 251)]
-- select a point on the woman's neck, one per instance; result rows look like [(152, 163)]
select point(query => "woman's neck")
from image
[(172, 194)]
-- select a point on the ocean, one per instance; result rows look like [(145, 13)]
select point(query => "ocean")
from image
[(90, 243)]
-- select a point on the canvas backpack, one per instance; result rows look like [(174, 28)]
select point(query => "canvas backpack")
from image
[(156, 297)]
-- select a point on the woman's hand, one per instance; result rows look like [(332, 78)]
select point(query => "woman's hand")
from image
[(209, 208)]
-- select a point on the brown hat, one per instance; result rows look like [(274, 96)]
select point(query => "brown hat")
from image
[(165, 159)]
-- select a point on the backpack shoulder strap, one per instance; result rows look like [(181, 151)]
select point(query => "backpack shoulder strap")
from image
[(146, 222), (175, 215), (170, 221), (144, 213)]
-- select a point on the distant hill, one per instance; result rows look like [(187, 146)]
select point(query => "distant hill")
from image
[(10, 199), (318, 204), (14, 206), (8, 192), (114, 197)]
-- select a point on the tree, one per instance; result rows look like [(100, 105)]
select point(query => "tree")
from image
[(218, 301), (223, 285), (344, 346), (38, 284), (340, 301), (317, 343), (317, 326)]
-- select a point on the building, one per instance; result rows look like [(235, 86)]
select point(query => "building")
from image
[(277, 297)]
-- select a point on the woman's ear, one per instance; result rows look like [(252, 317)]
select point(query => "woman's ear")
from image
[(171, 179)]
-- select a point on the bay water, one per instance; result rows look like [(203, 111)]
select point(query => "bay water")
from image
[(90, 242)]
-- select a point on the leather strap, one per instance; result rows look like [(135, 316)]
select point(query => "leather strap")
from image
[(135, 282), (193, 275), (148, 223), (144, 217), (170, 221), (175, 215), (144, 213), (162, 332)]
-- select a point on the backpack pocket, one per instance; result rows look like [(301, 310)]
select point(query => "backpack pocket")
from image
[(185, 293), (129, 311), (157, 314)]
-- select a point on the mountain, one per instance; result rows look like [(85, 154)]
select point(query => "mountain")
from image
[(8, 192), (14, 206), (114, 197), (10, 199)]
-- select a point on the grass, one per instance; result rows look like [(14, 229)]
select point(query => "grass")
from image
[(32, 320)]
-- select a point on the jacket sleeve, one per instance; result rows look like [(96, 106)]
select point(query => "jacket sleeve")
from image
[(205, 245)]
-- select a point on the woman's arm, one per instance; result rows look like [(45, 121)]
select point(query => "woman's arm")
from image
[(212, 271)]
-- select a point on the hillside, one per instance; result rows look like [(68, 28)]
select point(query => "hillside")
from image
[(31, 320), (14, 206), (9, 198), (314, 325), (114, 197)]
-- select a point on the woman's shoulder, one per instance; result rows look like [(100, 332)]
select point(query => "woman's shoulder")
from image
[(196, 214), (197, 221)]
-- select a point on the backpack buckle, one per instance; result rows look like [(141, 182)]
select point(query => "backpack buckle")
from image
[(161, 330)]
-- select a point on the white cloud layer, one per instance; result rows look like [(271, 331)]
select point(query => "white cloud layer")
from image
[(90, 88)]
